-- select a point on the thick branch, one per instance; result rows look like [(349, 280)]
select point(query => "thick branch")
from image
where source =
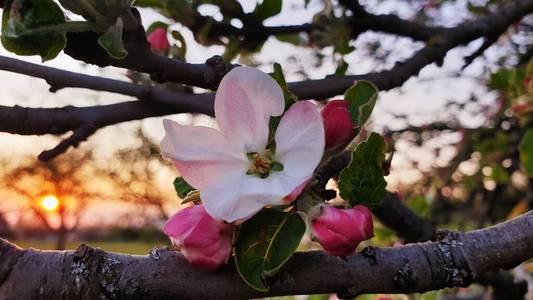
[(454, 260)]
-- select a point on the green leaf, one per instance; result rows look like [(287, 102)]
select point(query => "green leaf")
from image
[(292, 38), (342, 67), (289, 97), (499, 174), (21, 16), (343, 47), (265, 243), (501, 79), (362, 181), (178, 52), (156, 25), (103, 13), (526, 152), (267, 9), (182, 187), (111, 40), (362, 97)]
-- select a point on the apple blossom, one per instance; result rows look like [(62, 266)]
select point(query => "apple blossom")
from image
[(236, 169), (205, 242), (339, 231), (158, 40), (338, 123)]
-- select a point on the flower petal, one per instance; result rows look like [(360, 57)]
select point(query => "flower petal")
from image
[(245, 100), (182, 223), (201, 154), (241, 196), (296, 191), (300, 139)]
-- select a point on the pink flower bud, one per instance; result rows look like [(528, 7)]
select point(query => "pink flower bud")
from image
[(522, 108), (204, 241), (339, 231), (158, 41), (338, 123), (526, 81)]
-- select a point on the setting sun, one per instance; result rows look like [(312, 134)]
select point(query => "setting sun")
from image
[(49, 203)]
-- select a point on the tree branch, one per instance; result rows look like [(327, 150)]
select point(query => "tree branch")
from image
[(83, 46), (59, 79), (392, 24), (434, 52), (79, 135), (207, 74), (409, 226), (83, 120), (453, 260)]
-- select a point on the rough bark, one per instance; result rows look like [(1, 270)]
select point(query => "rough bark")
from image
[(455, 259)]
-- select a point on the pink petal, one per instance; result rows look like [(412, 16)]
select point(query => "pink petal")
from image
[(327, 237), (245, 100), (201, 154), (158, 40), (205, 242), (183, 222), (300, 139)]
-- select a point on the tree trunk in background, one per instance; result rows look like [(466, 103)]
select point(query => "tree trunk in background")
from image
[(5, 230), (62, 232)]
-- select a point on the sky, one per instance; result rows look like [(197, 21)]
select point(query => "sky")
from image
[(422, 97)]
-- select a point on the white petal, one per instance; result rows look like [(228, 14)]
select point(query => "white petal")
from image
[(201, 154), (241, 196), (221, 200), (245, 100), (300, 139)]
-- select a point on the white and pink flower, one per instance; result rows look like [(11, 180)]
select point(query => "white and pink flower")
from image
[(233, 168)]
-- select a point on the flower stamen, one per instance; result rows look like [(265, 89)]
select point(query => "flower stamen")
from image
[(261, 164)]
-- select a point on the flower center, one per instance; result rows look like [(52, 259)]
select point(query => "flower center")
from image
[(261, 164)]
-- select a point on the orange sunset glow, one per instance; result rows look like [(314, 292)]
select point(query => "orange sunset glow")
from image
[(49, 203)]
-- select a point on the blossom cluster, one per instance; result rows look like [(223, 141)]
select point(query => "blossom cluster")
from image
[(246, 165)]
